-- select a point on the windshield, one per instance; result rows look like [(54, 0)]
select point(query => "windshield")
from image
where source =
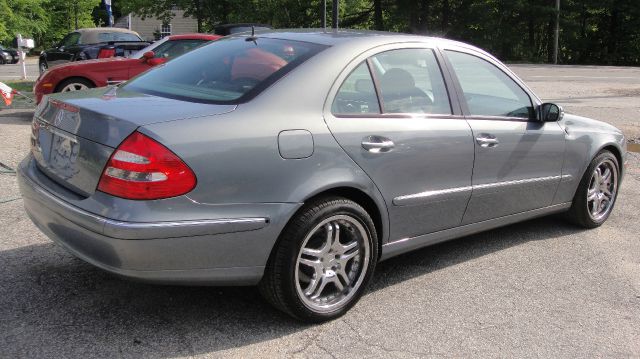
[(138, 54), (227, 71), (117, 36)]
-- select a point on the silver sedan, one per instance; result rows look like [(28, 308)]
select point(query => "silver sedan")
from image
[(297, 160)]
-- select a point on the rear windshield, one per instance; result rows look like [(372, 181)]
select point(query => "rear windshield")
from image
[(227, 71), (117, 36)]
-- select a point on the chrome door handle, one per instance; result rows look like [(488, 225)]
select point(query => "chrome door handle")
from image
[(377, 144), (487, 141)]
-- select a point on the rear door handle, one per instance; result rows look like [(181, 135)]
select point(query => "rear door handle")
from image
[(377, 144), (485, 140)]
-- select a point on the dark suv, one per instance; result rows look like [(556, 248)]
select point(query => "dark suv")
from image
[(85, 44)]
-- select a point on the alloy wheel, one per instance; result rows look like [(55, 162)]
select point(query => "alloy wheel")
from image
[(602, 189), (75, 86), (332, 263)]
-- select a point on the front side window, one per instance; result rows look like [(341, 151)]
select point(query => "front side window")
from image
[(487, 90), (227, 71), (411, 82), (71, 39)]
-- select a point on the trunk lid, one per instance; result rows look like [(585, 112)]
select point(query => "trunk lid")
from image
[(74, 134)]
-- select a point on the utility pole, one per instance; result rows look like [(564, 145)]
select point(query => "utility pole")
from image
[(556, 33), (335, 13), (324, 14)]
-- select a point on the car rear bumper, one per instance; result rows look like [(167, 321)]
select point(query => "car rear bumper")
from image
[(205, 252)]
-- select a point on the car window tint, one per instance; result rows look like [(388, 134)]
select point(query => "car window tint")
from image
[(227, 71), (489, 91), (411, 82), (71, 39), (117, 36), (356, 95), (176, 48)]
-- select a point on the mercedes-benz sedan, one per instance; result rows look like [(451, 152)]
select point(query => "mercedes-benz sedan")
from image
[(297, 160)]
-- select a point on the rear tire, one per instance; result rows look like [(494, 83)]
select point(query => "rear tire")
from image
[(323, 261), (597, 192)]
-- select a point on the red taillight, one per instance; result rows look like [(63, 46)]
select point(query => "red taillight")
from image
[(142, 168), (106, 53)]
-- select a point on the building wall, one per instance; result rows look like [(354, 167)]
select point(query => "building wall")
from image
[(147, 27)]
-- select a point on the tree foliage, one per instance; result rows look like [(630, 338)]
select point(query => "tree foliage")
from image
[(46, 21), (592, 31)]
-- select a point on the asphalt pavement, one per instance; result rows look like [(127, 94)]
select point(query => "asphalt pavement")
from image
[(13, 72), (541, 288)]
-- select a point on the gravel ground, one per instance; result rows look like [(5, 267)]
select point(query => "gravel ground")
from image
[(542, 288)]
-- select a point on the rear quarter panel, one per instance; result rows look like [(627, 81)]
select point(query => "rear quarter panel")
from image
[(235, 156)]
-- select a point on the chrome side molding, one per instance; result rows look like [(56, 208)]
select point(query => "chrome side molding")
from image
[(431, 196), (445, 194)]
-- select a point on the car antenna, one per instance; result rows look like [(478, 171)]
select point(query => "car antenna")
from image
[(253, 36)]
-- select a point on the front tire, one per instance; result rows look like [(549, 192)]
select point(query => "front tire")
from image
[(74, 84), (597, 192), (323, 261), (43, 66)]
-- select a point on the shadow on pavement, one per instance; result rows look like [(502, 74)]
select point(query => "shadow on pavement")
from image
[(15, 116), (53, 305)]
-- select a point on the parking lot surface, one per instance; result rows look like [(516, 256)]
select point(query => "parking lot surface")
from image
[(541, 288), (12, 72)]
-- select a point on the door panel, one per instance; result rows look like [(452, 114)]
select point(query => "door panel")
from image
[(521, 172), (419, 156), (425, 179), (518, 160)]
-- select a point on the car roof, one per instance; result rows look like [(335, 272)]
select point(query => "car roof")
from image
[(331, 37), (90, 35), (242, 24), (105, 29), (194, 36)]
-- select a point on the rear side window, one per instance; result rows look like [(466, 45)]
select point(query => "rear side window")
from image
[(487, 90), (411, 82), (357, 95), (227, 71), (408, 80)]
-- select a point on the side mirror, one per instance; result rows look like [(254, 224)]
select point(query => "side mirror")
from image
[(550, 112), (148, 55)]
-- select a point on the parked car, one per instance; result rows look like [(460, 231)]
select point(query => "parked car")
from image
[(85, 44), (298, 160), (230, 29), (8, 55), (83, 75)]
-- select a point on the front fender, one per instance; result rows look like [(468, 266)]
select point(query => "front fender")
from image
[(585, 139)]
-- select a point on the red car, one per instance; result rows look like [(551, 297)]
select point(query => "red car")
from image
[(74, 76)]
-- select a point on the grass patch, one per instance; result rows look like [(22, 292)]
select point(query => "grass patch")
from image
[(22, 86), (20, 102)]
